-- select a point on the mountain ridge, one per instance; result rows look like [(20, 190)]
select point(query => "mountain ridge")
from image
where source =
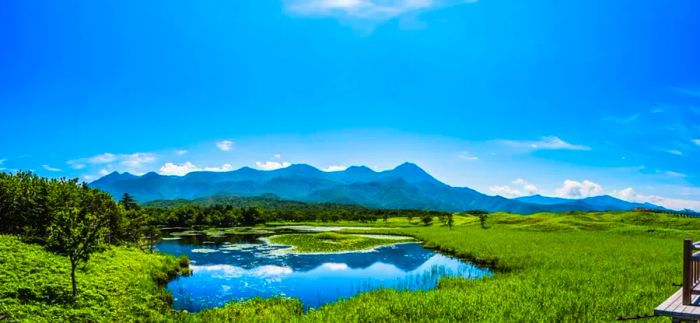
[(406, 186)]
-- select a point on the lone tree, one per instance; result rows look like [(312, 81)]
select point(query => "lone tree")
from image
[(78, 231), (482, 219), (427, 219), (128, 202), (450, 221)]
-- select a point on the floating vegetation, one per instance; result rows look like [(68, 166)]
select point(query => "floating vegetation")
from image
[(332, 242)]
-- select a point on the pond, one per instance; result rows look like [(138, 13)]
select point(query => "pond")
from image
[(242, 266)]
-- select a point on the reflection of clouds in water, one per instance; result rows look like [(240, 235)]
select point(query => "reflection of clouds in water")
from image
[(227, 271), (204, 250), (271, 270), (335, 266), (219, 271)]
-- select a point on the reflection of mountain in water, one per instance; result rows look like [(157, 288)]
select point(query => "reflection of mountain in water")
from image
[(406, 256)]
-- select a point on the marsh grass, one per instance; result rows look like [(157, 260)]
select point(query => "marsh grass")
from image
[(331, 242)]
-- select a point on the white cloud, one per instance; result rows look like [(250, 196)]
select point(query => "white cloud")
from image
[(467, 156), (224, 145), (102, 158), (181, 152), (674, 152), (278, 156), (674, 174), (546, 143), (104, 172), (576, 189), (505, 190), (177, 169), (2, 160), (137, 160), (75, 164), (335, 168), (522, 188), (696, 141), (629, 194), (188, 167), (51, 169), (377, 10), (271, 165)]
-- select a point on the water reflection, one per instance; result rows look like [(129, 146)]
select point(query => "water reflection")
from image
[(242, 266)]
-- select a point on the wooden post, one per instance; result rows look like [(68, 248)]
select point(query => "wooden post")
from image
[(687, 271)]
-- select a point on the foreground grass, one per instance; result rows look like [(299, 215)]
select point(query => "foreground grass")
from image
[(332, 241), (549, 267), (117, 285)]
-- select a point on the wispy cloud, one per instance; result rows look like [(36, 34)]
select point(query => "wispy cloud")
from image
[(188, 167), (674, 174), (134, 163), (51, 169), (224, 145), (545, 143), (181, 152), (674, 152), (102, 158), (696, 141), (75, 164), (374, 10), (467, 156)]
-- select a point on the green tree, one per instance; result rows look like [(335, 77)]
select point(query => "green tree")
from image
[(427, 219), (250, 216), (128, 202), (77, 233), (482, 219), (450, 220)]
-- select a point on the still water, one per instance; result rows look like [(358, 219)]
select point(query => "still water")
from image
[(237, 267)]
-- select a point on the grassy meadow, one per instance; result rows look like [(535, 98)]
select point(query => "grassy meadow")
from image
[(116, 285), (548, 267)]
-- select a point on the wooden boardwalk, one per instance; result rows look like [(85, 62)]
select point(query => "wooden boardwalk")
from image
[(674, 308)]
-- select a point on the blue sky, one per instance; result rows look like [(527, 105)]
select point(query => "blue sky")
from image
[(565, 98)]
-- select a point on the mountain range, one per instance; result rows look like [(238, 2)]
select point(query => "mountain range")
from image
[(404, 187)]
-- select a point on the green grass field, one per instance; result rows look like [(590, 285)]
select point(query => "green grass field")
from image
[(116, 285), (549, 267)]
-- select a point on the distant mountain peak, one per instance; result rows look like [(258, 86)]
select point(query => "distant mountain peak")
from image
[(411, 172), (409, 166), (301, 167), (359, 169)]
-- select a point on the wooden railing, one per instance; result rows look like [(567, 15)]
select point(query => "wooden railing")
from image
[(691, 270)]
